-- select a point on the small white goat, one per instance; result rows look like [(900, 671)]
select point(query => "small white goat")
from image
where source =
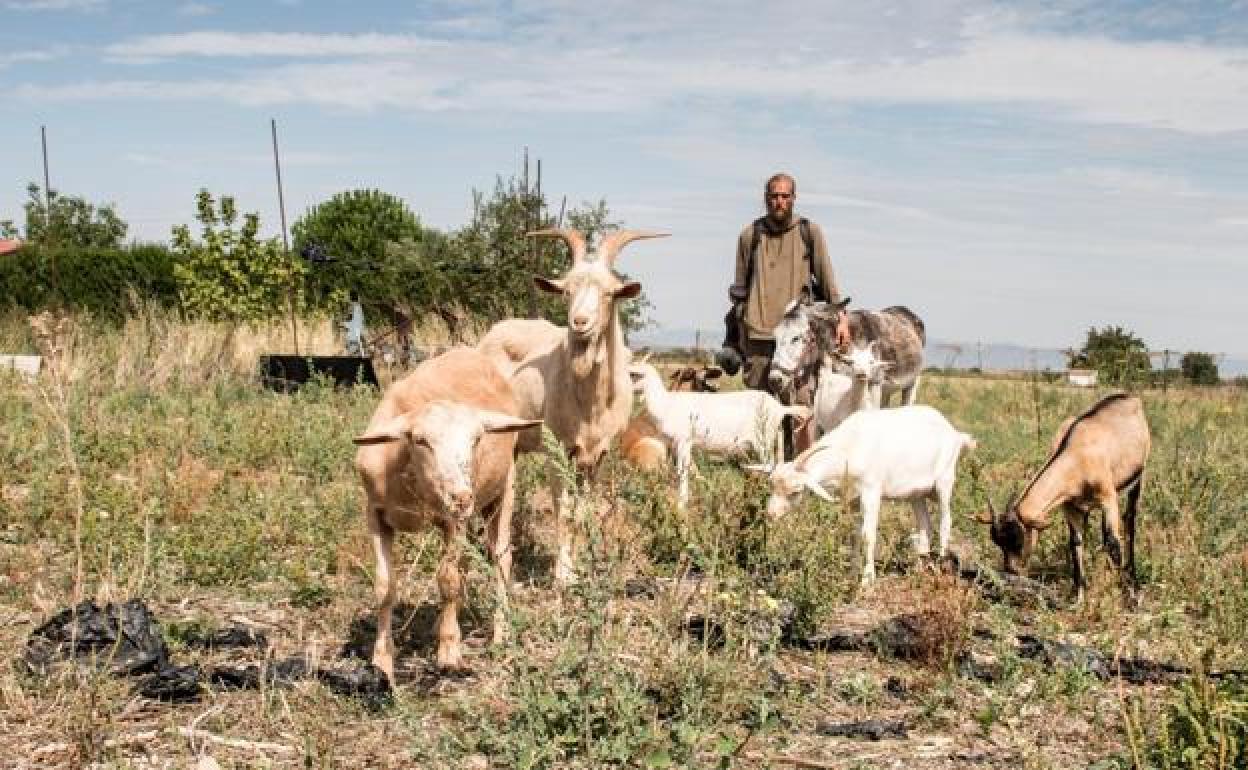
[(438, 450), (840, 394), (906, 453), (731, 423)]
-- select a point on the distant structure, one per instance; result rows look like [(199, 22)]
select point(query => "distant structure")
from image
[(1083, 378), (354, 327)]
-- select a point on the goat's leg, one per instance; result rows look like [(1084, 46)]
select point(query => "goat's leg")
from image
[(384, 589), (922, 526), (1128, 522), (1076, 522), (451, 589), (944, 495), (1111, 524), (1126, 569), (870, 503), (498, 535), (562, 502), (684, 461)]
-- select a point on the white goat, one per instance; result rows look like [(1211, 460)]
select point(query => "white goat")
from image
[(907, 453), (437, 450), (840, 394), (575, 378), (734, 422)]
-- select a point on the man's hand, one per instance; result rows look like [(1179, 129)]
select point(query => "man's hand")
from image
[(842, 330)]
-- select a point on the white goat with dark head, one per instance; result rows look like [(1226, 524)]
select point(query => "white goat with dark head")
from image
[(573, 377)]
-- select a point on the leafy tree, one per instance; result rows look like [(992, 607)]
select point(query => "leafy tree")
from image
[(1199, 368), (69, 222), (1118, 356), (345, 240), (229, 274), (493, 263)]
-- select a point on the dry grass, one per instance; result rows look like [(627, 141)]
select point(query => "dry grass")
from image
[(219, 502)]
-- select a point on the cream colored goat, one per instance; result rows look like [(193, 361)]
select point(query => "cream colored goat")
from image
[(439, 449), (575, 377)]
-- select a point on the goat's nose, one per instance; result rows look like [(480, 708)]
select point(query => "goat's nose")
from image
[(580, 322)]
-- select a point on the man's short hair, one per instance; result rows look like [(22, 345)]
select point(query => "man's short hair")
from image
[(776, 178)]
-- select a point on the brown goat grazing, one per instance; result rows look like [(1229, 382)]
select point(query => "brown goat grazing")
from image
[(1095, 456), (439, 449), (575, 378)]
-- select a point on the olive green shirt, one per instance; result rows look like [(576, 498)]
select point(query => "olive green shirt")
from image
[(780, 273)]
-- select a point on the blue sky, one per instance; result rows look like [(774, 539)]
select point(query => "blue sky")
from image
[(1012, 171)]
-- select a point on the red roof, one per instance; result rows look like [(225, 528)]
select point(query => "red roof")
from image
[(10, 245)]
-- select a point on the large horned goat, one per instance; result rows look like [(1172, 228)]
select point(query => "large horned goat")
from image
[(574, 377)]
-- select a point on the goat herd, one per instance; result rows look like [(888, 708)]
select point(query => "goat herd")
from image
[(440, 446)]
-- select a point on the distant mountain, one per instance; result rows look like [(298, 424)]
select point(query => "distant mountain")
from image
[(996, 356)]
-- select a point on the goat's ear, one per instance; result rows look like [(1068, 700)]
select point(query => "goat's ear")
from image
[(629, 290), (814, 486), (552, 285), (497, 422), (392, 430)]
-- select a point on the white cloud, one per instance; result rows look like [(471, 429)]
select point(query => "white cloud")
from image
[(17, 57), (1190, 88), (275, 44), (54, 5)]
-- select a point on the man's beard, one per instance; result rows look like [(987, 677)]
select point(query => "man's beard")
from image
[(780, 221)]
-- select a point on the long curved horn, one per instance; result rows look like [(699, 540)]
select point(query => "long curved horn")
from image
[(993, 510), (574, 239), (611, 244)]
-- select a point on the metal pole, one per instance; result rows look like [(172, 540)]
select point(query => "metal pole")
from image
[(47, 184), (47, 214), (281, 207)]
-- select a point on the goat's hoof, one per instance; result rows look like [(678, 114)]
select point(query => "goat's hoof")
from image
[(386, 664)]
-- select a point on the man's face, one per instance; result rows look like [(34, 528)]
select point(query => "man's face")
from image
[(779, 199)]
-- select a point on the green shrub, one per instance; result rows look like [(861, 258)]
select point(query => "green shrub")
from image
[(105, 281)]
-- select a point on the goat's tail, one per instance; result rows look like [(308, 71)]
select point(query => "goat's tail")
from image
[(968, 442)]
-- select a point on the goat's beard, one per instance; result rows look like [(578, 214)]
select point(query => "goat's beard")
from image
[(584, 354)]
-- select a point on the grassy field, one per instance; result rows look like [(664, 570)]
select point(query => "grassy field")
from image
[(147, 463)]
